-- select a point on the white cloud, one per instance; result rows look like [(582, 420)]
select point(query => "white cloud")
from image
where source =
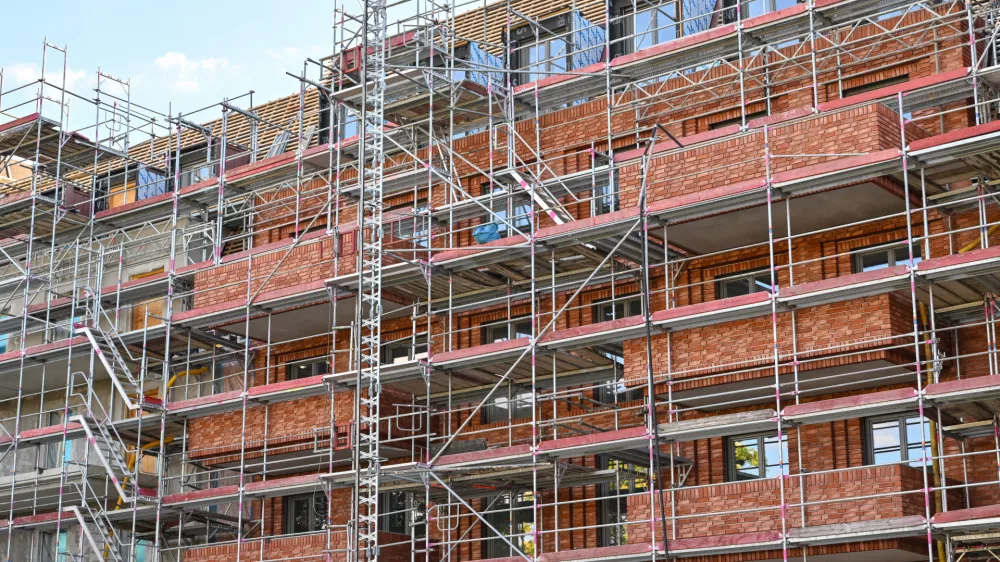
[(23, 73), (186, 75)]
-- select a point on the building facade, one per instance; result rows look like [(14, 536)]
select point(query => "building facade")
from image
[(606, 281)]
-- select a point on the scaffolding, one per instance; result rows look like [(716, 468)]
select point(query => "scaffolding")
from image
[(517, 280)]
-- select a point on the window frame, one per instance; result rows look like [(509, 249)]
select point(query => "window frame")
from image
[(623, 29), (493, 412), (512, 326), (293, 367), (411, 516), (904, 445), (522, 38), (510, 211), (314, 524), (409, 343), (721, 282), (511, 505), (614, 499), (875, 85), (889, 249), (627, 302), (605, 196), (418, 237), (733, 472)]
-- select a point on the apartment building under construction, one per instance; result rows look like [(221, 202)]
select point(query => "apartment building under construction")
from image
[(614, 280)]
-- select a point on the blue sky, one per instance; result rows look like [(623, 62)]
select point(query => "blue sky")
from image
[(186, 52)]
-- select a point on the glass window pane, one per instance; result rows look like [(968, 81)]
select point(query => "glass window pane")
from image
[(902, 255), (761, 283), (775, 456), (643, 29), (300, 515), (874, 260), (917, 432), (666, 23), (746, 458), (886, 443), (736, 288)]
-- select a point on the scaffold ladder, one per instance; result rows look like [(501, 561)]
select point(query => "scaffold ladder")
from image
[(367, 459)]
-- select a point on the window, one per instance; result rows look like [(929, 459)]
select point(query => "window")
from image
[(630, 478), (881, 258), (502, 408), (414, 226), (754, 8), (757, 456), (848, 92), (513, 209), (736, 120), (616, 309), (197, 172), (542, 59), (516, 522), (605, 199), (897, 439), (651, 23), (47, 547), (151, 183), (406, 349), (349, 123), (615, 392), (743, 284), (305, 513), (345, 127), (502, 331), (307, 368), (652, 26), (401, 513)]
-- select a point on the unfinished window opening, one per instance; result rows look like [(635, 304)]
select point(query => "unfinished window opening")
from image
[(738, 120)]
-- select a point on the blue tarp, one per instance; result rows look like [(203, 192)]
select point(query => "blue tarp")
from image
[(698, 15), (588, 42), (150, 184), (480, 58)]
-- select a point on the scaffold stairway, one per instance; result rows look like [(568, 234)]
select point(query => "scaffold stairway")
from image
[(129, 387), (97, 531)]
